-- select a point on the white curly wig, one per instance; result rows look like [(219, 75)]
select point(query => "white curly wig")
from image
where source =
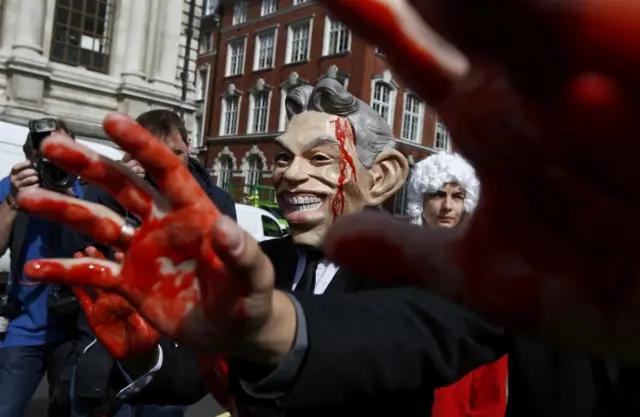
[(432, 173)]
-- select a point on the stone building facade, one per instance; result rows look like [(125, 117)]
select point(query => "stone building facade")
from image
[(81, 59)]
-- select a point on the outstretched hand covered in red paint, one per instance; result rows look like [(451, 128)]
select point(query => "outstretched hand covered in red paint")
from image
[(114, 321), (192, 273), (543, 98)]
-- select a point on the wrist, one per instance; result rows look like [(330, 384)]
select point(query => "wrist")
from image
[(274, 339), (11, 203)]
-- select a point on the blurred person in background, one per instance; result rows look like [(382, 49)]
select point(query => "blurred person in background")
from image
[(42, 317), (95, 366), (442, 192)]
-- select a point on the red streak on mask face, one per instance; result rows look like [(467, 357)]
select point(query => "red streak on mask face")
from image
[(346, 161)]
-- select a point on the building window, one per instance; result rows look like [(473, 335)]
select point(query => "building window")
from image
[(265, 50), (206, 42), (240, 12), (199, 132), (209, 7), (268, 7), (82, 33), (296, 2), (235, 57), (337, 37), (202, 82), (259, 112), (229, 124), (224, 171), (253, 176), (412, 118), (382, 100), (442, 139), (298, 41)]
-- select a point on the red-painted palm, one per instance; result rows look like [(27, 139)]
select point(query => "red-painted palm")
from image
[(114, 321)]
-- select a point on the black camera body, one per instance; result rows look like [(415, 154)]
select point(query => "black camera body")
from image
[(51, 177)]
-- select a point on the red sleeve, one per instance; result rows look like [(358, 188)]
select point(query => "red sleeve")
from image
[(489, 389), (453, 400)]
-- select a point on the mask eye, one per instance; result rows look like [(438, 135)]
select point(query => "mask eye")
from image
[(320, 157), (283, 158)]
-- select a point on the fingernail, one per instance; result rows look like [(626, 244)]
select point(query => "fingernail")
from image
[(230, 233)]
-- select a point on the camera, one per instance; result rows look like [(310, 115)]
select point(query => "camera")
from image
[(51, 177)]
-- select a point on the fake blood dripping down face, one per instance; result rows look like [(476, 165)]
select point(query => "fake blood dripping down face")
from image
[(318, 176)]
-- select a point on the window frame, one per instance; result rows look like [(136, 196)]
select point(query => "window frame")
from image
[(419, 115), (223, 113), (326, 40), (230, 43), (257, 49), (251, 122), (266, 11), (61, 47), (290, 31), (240, 12), (392, 99)]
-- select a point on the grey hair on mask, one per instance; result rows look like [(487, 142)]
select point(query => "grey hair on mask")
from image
[(372, 133)]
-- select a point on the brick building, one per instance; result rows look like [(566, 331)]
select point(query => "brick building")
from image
[(252, 52)]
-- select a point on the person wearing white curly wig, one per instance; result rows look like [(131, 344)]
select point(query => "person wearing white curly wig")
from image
[(442, 190)]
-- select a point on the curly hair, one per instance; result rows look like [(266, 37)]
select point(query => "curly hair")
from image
[(432, 173)]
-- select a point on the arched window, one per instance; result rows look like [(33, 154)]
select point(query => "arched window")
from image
[(224, 171), (442, 137), (253, 175)]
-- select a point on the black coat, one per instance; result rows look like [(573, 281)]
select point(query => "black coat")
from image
[(357, 340)]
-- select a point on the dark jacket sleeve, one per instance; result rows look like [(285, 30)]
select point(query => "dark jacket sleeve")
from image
[(381, 342), (224, 202), (177, 382)]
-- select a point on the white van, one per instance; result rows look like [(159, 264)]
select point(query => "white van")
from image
[(259, 223)]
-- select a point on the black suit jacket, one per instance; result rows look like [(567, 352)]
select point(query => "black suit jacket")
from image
[(386, 349)]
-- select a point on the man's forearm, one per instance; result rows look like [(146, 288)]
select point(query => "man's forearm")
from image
[(7, 217)]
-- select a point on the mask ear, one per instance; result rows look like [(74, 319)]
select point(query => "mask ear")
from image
[(388, 174)]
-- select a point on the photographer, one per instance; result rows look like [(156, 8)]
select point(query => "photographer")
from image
[(43, 317)]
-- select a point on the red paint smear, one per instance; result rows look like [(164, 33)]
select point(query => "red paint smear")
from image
[(215, 372), (342, 133)]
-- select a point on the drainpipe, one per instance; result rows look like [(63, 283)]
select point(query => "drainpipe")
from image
[(187, 55)]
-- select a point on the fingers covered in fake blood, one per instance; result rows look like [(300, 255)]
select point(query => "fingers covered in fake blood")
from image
[(90, 272), (410, 44), (95, 220), (412, 255), (167, 170), (122, 183)]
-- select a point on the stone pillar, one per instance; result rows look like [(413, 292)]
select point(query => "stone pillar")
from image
[(137, 45), (29, 29), (7, 25), (168, 42)]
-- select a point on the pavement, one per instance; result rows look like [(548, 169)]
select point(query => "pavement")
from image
[(38, 405)]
